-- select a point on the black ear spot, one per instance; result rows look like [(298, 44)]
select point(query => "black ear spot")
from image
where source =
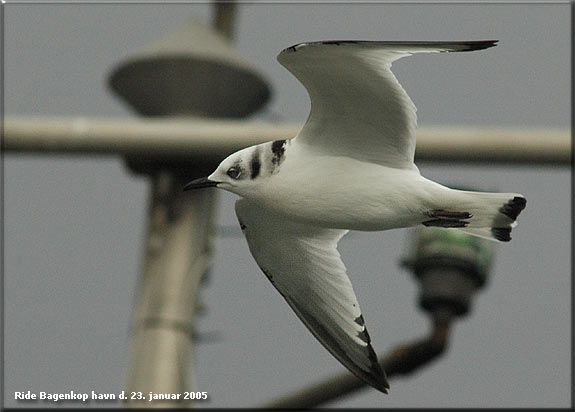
[(278, 150), (256, 165)]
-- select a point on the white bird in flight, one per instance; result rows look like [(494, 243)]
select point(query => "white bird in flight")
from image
[(349, 168)]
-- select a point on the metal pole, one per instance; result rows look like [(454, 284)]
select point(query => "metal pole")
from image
[(224, 17), (177, 254), (213, 139)]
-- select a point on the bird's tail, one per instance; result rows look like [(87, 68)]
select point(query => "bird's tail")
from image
[(488, 215)]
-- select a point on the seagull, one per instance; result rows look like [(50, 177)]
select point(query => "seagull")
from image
[(350, 167)]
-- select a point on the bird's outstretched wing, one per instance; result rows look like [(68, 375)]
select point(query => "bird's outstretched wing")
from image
[(358, 108), (303, 264)]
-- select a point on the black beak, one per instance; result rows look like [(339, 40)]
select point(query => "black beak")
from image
[(200, 183)]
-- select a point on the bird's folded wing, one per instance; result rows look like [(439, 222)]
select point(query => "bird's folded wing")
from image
[(358, 108), (303, 264)]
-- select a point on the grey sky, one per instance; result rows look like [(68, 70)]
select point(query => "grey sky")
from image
[(74, 226)]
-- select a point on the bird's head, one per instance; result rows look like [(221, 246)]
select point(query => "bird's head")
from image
[(238, 173)]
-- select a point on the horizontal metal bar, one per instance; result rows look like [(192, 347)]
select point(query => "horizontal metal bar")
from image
[(214, 139)]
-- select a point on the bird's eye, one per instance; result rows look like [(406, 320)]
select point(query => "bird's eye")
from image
[(233, 172)]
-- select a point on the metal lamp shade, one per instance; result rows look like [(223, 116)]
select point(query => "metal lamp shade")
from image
[(192, 72)]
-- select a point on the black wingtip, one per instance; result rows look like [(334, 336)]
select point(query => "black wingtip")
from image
[(377, 377), (382, 383), (479, 44)]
